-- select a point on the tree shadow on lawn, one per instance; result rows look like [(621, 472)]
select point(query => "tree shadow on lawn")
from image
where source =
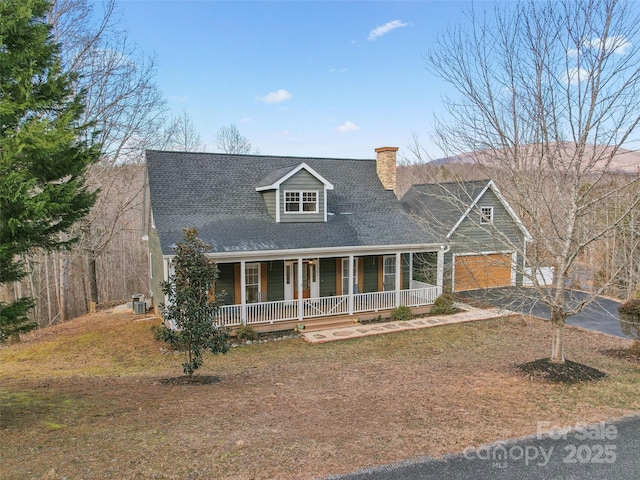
[(629, 354), (191, 380), (568, 373)]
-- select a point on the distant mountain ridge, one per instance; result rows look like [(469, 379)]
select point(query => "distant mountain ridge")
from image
[(625, 161)]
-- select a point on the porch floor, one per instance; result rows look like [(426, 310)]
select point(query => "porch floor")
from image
[(342, 333)]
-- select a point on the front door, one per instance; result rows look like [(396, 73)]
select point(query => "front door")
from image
[(309, 279), (306, 285)]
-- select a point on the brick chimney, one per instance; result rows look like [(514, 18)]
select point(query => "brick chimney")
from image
[(386, 166)]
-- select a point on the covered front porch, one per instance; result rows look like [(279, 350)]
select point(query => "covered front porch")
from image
[(271, 293)]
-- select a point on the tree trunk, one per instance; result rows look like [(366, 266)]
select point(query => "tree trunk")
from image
[(93, 280), (64, 286), (557, 342)]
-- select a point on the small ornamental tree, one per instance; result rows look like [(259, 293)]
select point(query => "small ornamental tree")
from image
[(190, 306)]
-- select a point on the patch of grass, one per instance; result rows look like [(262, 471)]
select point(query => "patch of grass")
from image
[(127, 347), (287, 409), (23, 408), (53, 426)]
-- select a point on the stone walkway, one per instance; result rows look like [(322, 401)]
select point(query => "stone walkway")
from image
[(469, 315)]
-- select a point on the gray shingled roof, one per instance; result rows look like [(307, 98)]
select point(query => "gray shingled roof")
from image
[(216, 193), (442, 204)]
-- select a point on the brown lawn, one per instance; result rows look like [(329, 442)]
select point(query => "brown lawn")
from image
[(84, 400)]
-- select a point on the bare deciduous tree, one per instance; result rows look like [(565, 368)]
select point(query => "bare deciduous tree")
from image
[(548, 96), (230, 140), (126, 107), (180, 134)]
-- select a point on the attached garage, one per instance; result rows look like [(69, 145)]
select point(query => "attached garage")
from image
[(482, 271)]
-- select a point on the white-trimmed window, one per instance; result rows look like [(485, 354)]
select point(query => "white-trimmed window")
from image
[(389, 273), (252, 282), (300, 202), (486, 215)]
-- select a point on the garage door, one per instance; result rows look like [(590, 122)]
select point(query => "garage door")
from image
[(482, 271)]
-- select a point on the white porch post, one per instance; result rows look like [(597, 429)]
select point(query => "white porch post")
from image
[(398, 277), (243, 292), (351, 284), (410, 269), (440, 271), (298, 286)]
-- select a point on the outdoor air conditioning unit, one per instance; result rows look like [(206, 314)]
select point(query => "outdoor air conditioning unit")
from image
[(138, 304), (139, 308)]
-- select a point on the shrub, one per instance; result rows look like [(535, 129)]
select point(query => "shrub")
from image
[(401, 313), (630, 320), (443, 305), (246, 332), (630, 307)]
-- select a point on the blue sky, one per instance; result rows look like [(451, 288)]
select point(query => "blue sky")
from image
[(301, 78)]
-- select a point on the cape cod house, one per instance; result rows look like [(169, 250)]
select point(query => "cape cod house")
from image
[(486, 240), (295, 239)]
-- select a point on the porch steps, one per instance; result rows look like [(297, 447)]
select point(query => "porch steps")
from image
[(324, 323)]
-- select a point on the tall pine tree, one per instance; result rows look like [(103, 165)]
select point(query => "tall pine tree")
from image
[(44, 149)]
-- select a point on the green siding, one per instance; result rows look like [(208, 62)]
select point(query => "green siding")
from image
[(226, 283), (470, 236), (370, 274), (275, 280), (302, 180), (157, 266), (425, 266), (327, 277), (270, 200)]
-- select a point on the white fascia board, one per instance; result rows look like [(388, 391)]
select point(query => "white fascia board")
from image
[(505, 204), (268, 255), (327, 185), (514, 215), (466, 213)]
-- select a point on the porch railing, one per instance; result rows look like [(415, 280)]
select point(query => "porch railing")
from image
[(372, 302), (278, 311), (326, 306)]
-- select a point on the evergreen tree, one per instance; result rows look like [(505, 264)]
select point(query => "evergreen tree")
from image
[(44, 149), (190, 306)]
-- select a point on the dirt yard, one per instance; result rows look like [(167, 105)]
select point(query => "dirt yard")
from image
[(86, 400)]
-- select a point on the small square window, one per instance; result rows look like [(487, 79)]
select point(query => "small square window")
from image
[(486, 215)]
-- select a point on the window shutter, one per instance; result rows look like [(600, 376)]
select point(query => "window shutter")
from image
[(236, 284)]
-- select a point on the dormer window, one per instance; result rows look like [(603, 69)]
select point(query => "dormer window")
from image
[(300, 202), (296, 194)]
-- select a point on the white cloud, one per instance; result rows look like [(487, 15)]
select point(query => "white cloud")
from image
[(337, 70), (575, 75), (618, 44), (386, 28), (347, 127), (278, 96)]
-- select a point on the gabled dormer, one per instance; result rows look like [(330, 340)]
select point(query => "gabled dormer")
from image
[(296, 194)]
